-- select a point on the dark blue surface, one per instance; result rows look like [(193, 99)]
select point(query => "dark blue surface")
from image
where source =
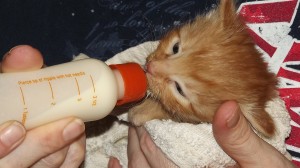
[(99, 28)]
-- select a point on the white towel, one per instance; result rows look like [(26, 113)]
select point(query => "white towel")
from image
[(187, 145)]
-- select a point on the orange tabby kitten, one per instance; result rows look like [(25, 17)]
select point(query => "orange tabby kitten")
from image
[(201, 64)]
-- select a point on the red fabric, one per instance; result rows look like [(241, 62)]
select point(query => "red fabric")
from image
[(266, 12)]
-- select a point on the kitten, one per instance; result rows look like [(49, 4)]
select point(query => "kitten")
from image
[(202, 64)]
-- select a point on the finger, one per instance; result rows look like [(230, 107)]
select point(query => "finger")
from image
[(114, 163), (22, 58), (53, 160), (155, 157), (136, 157), (69, 156), (235, 136), (12, 134), (76, 153), (43, 141)]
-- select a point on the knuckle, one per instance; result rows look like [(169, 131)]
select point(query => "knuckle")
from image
[(53, 160), (76, 155), (50, 143)]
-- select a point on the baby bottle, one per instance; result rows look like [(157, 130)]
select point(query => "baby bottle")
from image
[(87, 88)]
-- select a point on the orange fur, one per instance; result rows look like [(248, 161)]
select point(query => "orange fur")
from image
[(216, 61)]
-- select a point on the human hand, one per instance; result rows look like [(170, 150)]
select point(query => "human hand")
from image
[(57, 144), (232, 132), (142, 152), (235, 136)]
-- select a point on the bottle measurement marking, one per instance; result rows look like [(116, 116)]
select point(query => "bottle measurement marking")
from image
[(24, 116), (78, 89), (25, 110), (52, 93), (93, 83), (94, 98), (48, 79), (23, 98)]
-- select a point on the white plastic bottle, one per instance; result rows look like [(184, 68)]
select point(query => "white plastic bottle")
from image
[(87, 88)]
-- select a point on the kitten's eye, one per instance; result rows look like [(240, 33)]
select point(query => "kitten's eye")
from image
[(175, 48), (178, 88)]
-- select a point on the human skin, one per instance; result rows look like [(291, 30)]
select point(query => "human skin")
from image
[(57, 144), (232, 132)]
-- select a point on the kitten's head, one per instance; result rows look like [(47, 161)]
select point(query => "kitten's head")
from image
[(201, 64)]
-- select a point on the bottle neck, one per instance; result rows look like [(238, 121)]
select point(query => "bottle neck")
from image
[(120, 83)]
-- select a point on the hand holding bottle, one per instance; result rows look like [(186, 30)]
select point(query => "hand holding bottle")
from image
[(57, 144)]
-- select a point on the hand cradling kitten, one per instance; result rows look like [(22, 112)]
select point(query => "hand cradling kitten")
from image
[(202, 64)]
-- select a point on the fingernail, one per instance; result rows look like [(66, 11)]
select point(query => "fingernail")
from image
[(12, 50), (73, 130), (6, 55), (9, 53), (12, 134), (233, 118)]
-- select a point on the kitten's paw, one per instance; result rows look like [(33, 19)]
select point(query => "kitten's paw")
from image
[(146, 111), (137, 118)]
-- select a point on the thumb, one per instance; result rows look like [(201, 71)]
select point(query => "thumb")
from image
[(22, 58), (235, 136)]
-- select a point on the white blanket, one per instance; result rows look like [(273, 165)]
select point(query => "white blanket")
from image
[(187, 145)]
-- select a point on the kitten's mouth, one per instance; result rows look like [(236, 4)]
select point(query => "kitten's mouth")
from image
[(148, 74), (148, 68), (145, 68)]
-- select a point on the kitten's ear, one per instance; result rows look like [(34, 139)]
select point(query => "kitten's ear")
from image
[(227, 12)]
